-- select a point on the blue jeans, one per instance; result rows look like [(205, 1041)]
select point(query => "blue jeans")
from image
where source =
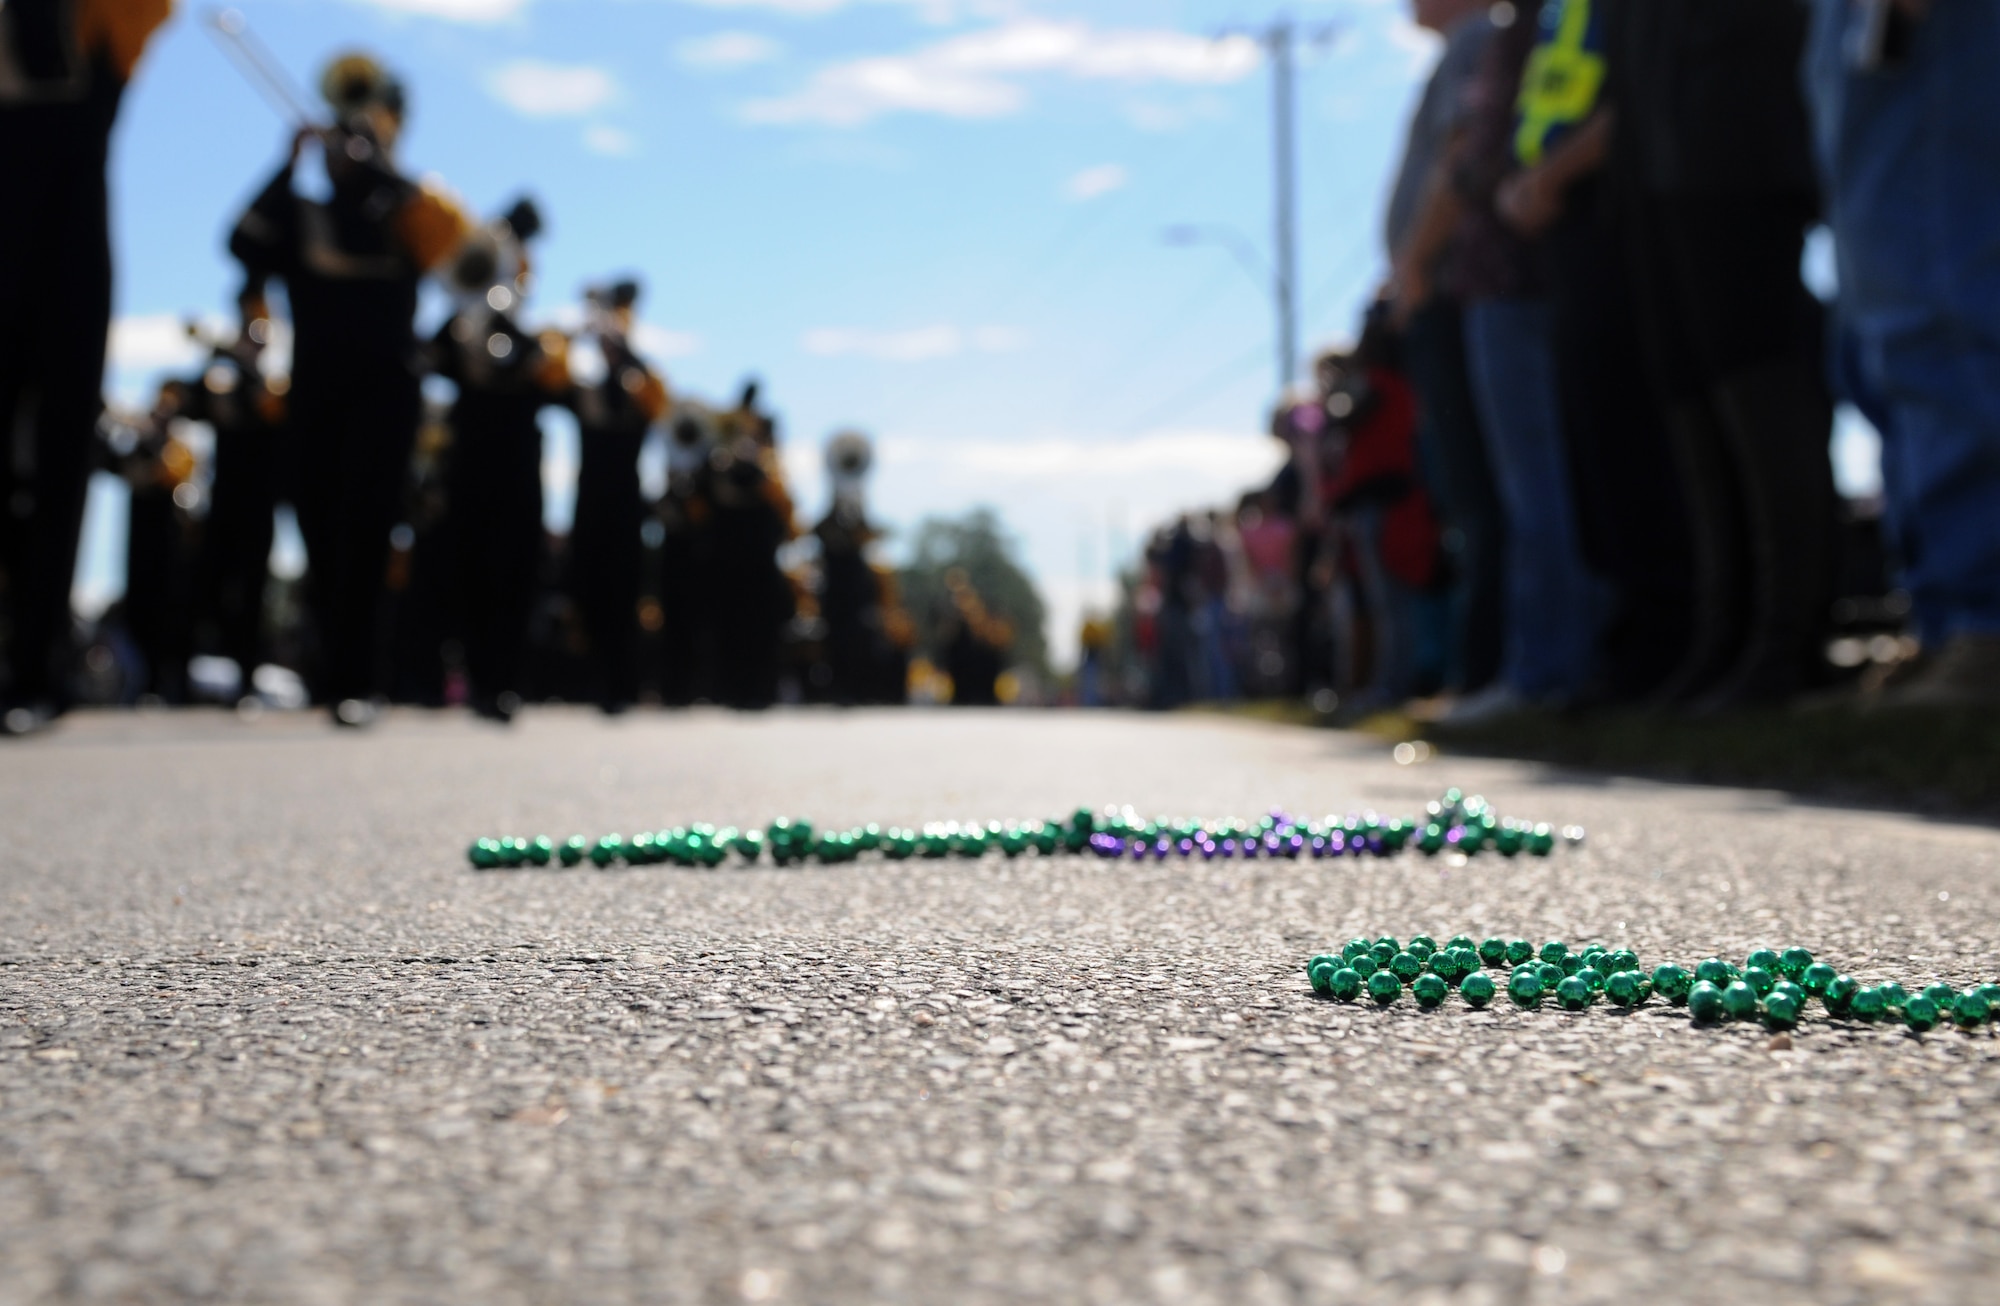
[(1912, 162), (1218, 674), (1454, 462), (1552, 600)]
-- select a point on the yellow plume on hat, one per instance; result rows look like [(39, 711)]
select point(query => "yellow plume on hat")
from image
[(355, 81)]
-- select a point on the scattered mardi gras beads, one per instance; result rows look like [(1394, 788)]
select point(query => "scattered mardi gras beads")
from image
[(1451, 823), (1770, 985)]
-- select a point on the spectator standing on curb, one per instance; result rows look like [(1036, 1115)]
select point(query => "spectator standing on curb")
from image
[(1716, 162), (1631, 515), (1907, 112), (1550, 628), (1453, 450)]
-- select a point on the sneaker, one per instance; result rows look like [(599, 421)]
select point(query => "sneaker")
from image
[(1965, 673), (20, 720), (355, 713), (1496, 700)]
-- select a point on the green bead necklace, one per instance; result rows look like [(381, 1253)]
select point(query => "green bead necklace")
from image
[(1453, 822), (1773, 987)]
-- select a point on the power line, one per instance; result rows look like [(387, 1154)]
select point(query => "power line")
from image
[(1202, 388)]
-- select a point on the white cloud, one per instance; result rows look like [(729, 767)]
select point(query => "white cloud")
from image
[(535, 89), (1079, 504), (811, 8), (727, 50), (998, 339), (653, 340), (931, 11), (657, 342), (144, 347), (917, 345), (601, 138), (981, 74), (1100, 180), (455, 11), (1418, 46), (911, 346), (1177, 460), (155, 342)]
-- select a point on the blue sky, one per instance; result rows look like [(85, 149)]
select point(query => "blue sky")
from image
[(939, 221)]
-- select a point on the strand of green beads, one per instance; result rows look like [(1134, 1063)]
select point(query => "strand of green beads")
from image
[(1771, 986), (1453, 822)]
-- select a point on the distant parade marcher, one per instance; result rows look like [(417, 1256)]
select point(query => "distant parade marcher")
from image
[(421, 574), (63, 68), (351, 267), (850, 593), (975, 646), (613, 417), (899, 640), (505, 376), (249, 475), (158, 470), (686, 514), (752, 520)]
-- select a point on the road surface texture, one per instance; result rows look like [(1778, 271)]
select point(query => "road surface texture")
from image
[(265, 1037)]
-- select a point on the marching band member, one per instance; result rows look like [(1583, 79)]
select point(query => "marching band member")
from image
[(613, 417), (351, 267), (64, 65), (505, 376)]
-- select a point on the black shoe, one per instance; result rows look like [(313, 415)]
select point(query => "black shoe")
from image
[(501, 707)]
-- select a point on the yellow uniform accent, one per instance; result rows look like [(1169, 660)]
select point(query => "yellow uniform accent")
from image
[(1560, 84), (176, 465), (552, 372), (120, 28), (431, 225), (651, 396)]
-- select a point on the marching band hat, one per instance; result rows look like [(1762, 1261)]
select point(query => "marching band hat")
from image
[(355, 81)]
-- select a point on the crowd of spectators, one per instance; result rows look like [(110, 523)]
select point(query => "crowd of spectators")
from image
[(1580, 453)]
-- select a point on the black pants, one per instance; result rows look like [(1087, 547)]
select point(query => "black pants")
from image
[(236, 544), (687, 633), (1460, 479), (850, 604), (157, 609), (752, 604), (496, 516), (354, 427), (1733, 340), (1630, 507), (55, 308), (605, 566)]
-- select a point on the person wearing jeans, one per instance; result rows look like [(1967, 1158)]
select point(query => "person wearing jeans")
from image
[(1907, 123), (1552, 600), (1453, 452)]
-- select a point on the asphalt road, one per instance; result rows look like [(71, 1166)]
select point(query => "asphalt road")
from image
[(263, 1035)]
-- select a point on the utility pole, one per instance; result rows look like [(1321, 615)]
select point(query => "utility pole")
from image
[(1279, 41), (1284, 289)]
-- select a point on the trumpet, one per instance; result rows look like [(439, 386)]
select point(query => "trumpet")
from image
[(491, 266)]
